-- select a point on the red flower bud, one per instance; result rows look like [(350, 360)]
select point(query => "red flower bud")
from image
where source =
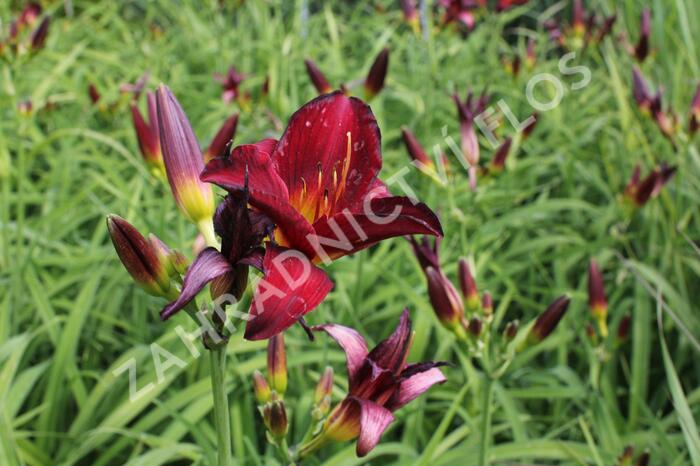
[(323, 393), (38, 37), (641, 50), (262, 390), (148, 135), (93, 93), (183, 159), (597, 302), (275, 418), (487, 305), (623, 328), (498, 162), (317, 77), (549, 319), (468, 285), (444, 298), (475, 326), (420, 158), (377, 74), (694, 124), (511, 330), (138, 257)]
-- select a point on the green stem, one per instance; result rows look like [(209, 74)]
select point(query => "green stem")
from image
[(486, 420), (221, 410)]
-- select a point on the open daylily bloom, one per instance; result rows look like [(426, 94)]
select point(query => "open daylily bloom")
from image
[(380, 382), (583, 30), (319, 183), (291, 286)]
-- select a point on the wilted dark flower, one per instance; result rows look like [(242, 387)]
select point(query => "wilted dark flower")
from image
[(380, 382)]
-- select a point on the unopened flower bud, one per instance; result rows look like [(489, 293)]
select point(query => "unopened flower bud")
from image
[(418, 155), (322, 395), (475, 326), (597, 301), (487, 305), (38, 37), (643, 459), (468, 285), (174, 261), (262, 390), (138, 257), (377, 74), (222, 139), (444, 298), (183, 159), (511, 330), (275, 418), (549, 319), (317, 77), (625, 459), (277, 364), (623, 328)]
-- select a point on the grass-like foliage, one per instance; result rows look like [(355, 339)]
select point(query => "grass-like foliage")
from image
[(71, 317)]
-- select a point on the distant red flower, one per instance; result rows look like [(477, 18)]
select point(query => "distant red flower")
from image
[(639, 192), (380, 382), (694, 121), (584, 28), (230, 83)]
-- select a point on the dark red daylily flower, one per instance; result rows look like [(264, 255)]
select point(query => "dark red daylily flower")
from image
[(380, 382), (652, 104), (639, 192), (230, 82), (584, 28), (319, 184)]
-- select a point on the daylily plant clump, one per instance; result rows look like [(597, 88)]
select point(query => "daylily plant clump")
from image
[(291, 205)]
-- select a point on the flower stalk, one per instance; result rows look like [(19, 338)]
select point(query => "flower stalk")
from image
[(221, 410)]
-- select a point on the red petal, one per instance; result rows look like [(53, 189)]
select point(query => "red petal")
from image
[(317, 139), (414, 386), (351, 342), (292, 287), (374, 419), (208, 265), (379, 219), (391, 353), (253, 159)]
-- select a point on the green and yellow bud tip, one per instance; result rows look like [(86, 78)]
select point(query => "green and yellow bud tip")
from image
[(277, 364), (139, 257), (323, 392), (262, 390)]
